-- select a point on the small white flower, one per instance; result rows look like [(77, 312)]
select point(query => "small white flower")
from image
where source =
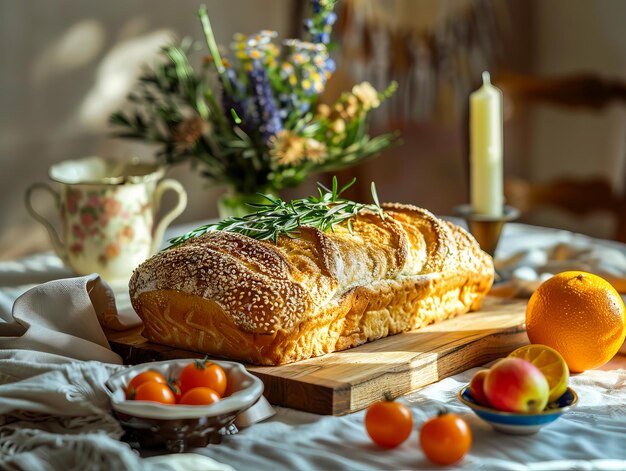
[(367, 95)]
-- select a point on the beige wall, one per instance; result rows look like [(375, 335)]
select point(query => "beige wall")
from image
[(579, 36)]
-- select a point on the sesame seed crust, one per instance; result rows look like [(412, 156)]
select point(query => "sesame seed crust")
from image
[(313, 293)]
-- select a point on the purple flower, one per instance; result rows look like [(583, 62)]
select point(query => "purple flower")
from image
[(320, 26), (330, 18), (263, 98), (323, 37), (329, 65)]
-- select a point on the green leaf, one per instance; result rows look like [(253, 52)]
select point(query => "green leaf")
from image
[(374, 194), (235, 116)]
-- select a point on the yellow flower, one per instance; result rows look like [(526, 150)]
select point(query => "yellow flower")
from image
[(319, 60), (351, 108), (272, 49), (338, 126), (367, 95), (315, 150), (299, 58), (323, 110), (287, 147), (290, 149)]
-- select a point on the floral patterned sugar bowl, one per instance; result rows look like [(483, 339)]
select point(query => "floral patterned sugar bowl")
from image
[(107, 211)]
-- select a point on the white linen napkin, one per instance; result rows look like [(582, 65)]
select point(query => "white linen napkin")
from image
[(524, 270), (64, 317)]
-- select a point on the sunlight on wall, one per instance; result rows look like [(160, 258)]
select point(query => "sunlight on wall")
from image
[(78, 46), (134, 27), (116, 75)]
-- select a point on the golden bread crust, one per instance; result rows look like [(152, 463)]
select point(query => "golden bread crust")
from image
[(230, 295)]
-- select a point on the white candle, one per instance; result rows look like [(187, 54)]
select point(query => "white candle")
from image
[(486, 194)]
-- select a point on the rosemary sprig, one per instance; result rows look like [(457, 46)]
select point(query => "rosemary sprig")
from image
[(278, 217)]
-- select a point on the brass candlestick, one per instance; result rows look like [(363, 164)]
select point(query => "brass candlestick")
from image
[(486, 229)]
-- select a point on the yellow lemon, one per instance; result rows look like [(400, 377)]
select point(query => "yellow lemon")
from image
[(550, 363)]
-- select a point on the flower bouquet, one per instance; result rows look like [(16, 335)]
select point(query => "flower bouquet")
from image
[(251, 118)]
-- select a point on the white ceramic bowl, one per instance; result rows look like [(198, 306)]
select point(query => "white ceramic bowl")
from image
[(519, 424), (177, 427)]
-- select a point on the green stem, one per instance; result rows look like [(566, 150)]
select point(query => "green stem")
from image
[(216, 110), (212, 45)]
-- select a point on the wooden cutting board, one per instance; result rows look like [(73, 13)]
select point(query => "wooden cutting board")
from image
[(347, 381)]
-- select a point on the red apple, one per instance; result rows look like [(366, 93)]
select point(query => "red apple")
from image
[(476, 387), (516, 385)]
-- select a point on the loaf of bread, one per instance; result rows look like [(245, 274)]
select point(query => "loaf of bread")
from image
[(232, 296)]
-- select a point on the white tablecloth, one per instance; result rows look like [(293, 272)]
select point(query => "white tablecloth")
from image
[(590, 437)]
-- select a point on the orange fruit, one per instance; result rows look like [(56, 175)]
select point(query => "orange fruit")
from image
[(550, 363), (580, 315)]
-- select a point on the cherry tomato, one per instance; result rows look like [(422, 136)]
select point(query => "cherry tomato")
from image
[(388, 423), (445, 439), (141, 378), (199, 397), (203, 373), (155, 392)]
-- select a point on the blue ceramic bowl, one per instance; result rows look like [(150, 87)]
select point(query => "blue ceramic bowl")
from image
[(519, 424)]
